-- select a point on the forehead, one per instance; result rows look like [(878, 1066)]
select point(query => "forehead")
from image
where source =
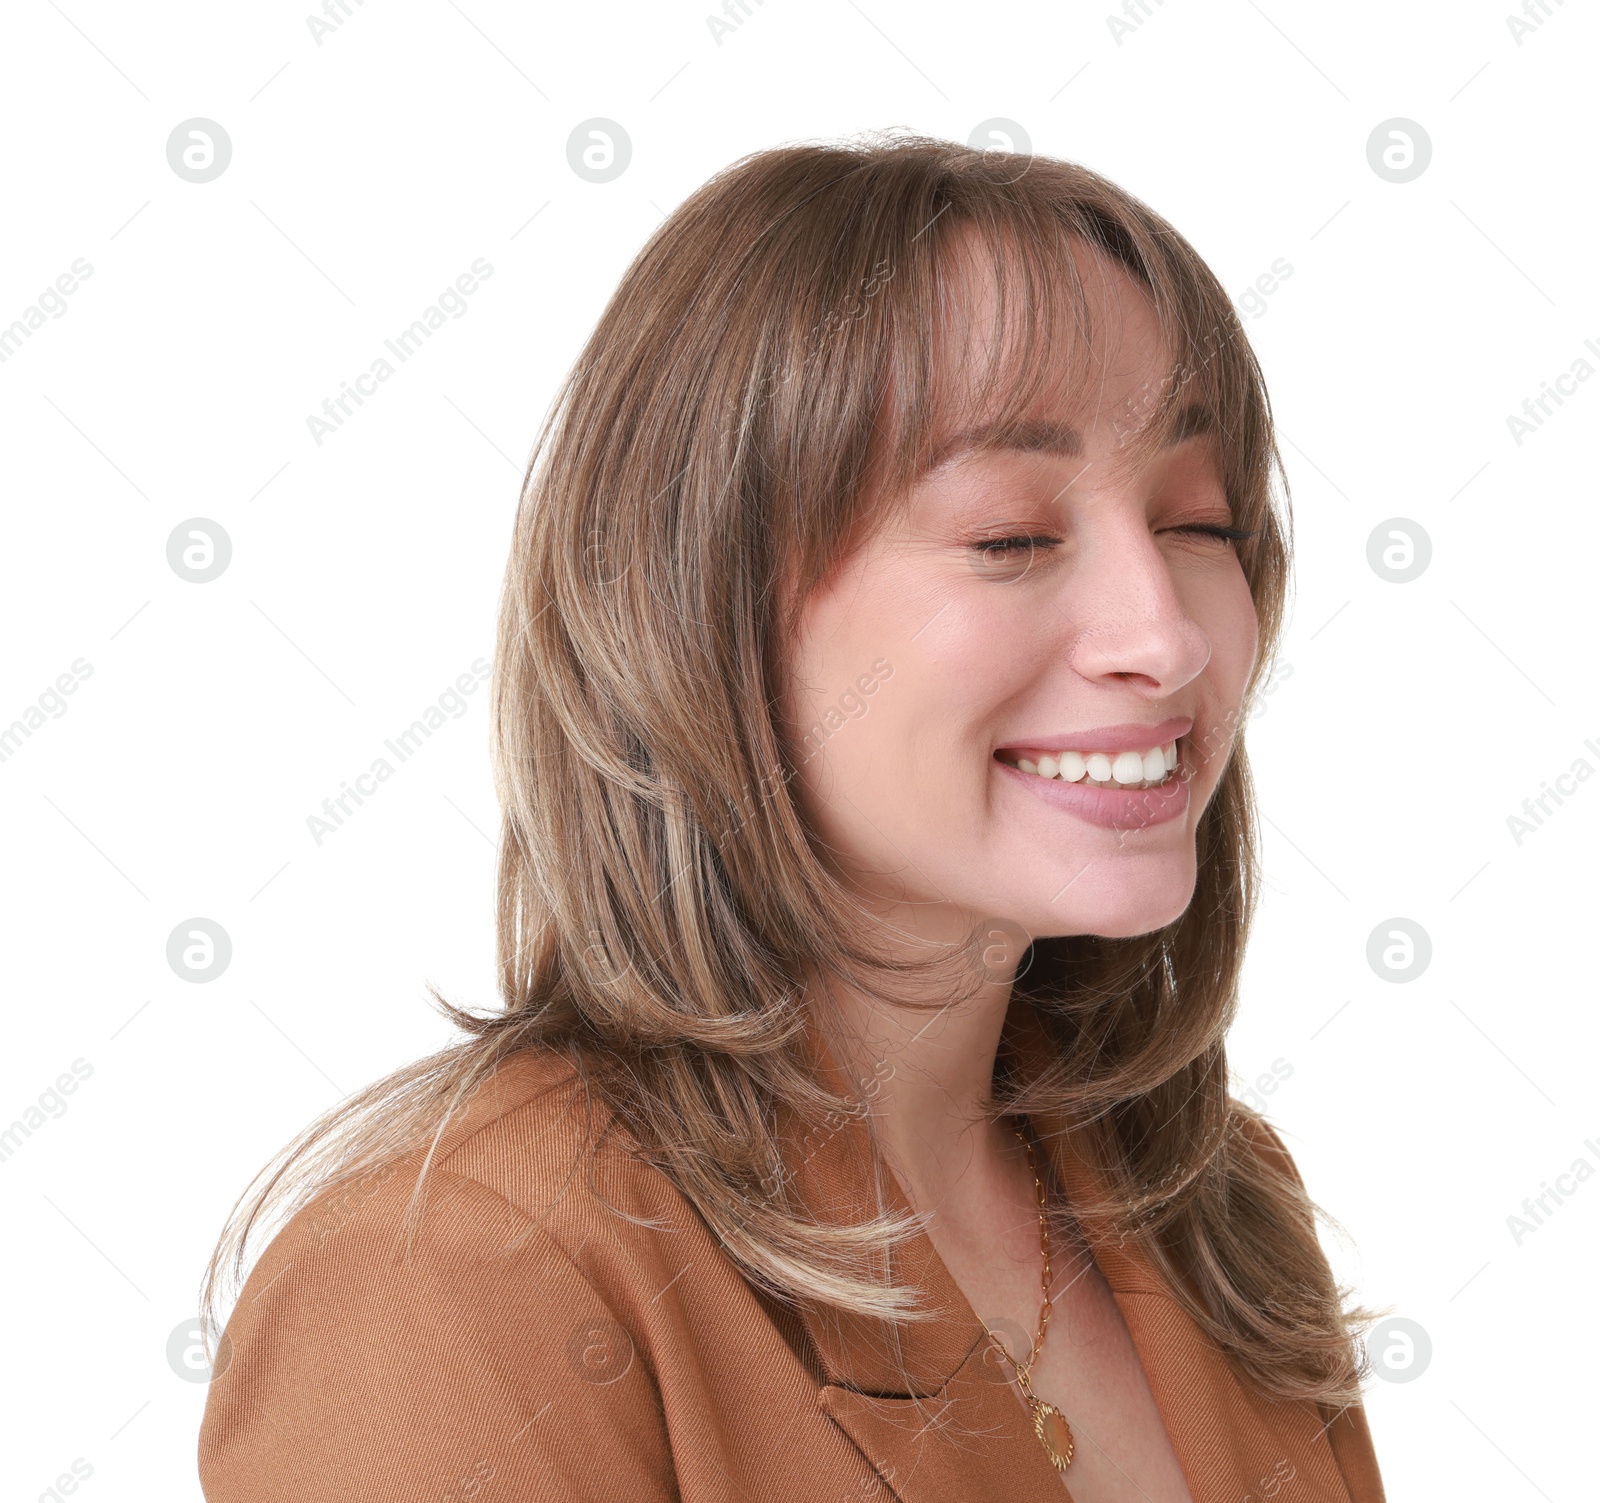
[(1078, 299), (1032, 353), (1019, 433)]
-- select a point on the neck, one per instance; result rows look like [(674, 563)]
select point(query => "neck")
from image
[(932, 1070)]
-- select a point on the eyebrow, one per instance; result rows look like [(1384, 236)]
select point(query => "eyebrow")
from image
[(1046, 436)]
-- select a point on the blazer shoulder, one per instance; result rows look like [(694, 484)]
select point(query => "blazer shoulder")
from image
[(555, 1151), (356, 1221), (404, 1328), (535, 1074), (1264, 1140), (530, 1166)]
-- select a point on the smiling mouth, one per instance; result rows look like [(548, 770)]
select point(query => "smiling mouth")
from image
[(1131, 770)]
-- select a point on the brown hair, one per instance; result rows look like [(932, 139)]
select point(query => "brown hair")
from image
[(758, 390)]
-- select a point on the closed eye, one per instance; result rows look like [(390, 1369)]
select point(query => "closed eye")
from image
[(1002, 547), (1225, 534)]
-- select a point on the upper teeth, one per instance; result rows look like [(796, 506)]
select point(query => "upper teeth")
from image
[(1120, 769)]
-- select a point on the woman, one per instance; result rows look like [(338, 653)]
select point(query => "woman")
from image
[(885, 598)]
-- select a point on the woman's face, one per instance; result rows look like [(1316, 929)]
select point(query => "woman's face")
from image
[(927, 666)]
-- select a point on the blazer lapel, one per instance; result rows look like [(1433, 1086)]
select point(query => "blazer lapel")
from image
[(973, 1443), (1231, 1441), (930, 1404), (927, 1403)]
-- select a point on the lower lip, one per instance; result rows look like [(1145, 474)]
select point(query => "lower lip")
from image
[(1111, 808)]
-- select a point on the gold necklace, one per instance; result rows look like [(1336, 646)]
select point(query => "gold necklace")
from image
[(1049, 1423)]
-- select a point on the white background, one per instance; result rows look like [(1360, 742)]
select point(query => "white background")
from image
[(368, 172)]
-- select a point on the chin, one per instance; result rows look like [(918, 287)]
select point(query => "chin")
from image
[(1123, 905)]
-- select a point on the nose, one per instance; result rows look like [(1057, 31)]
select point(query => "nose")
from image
[(1125, 614)]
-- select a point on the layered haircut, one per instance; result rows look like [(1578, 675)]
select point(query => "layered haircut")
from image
[(759, 394)]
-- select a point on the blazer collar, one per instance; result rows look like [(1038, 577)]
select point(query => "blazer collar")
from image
[(887, 1386)]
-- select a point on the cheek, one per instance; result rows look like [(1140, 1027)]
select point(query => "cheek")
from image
[(1226, 612), (827, 638), (1231, 627), (843, 652), (888, 668), (1248, 629)]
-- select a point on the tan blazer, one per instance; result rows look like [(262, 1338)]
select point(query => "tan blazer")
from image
[(538, 1346)]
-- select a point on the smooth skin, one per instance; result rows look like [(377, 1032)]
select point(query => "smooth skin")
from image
[(1121, 617)]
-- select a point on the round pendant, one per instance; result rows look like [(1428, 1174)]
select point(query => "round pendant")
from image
[(1051, 1426)]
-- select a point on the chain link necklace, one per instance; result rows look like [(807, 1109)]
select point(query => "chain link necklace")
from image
[(1049, 1423)]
